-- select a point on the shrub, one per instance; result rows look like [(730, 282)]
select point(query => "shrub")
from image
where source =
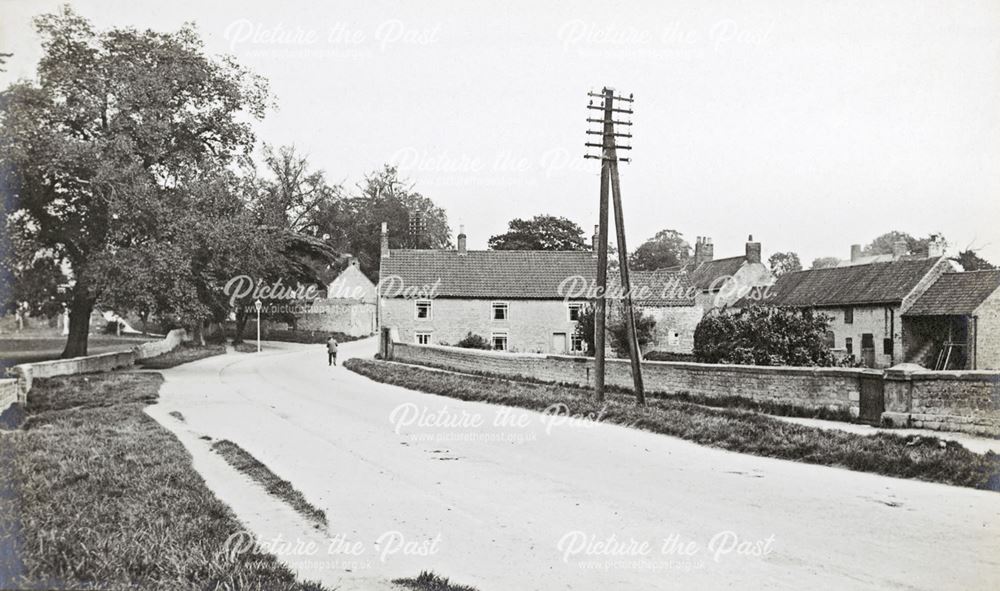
[(615, 329), (473, 341), (763, 335)]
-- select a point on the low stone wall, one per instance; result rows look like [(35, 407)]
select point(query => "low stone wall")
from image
[(967, 401), (835, 389), (27, 372), (945, 400)]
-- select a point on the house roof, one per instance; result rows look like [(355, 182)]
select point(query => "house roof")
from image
[(875, 283), (956, 294), (513, 274), (658, 288), (706, 275)]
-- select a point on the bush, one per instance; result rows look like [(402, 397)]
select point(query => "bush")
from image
[(763, 335), (473, 341)]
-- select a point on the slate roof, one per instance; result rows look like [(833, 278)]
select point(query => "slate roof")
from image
[(876, 283), (706, 275), (488, 274), (956, 294)]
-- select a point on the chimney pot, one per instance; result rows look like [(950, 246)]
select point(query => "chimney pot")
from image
[(899, 249), (385, 240), (461, 240)]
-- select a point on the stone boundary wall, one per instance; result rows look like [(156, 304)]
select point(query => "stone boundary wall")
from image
[(27, 372), (967, 401), (836, 389)]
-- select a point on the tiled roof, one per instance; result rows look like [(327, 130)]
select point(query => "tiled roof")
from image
[(877, 283), (514, 274), (707, 274), (956, 294), (658, 288)]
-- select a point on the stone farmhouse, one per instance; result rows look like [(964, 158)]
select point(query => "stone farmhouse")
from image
[(866, 303), (955, 323), (512, 298)]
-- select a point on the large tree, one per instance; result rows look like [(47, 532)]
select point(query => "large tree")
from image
[(667, 249), (353, 223), (542, 232), (784, 262), (96, 154)]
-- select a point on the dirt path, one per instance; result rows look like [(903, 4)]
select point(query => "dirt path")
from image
[(504, 499)]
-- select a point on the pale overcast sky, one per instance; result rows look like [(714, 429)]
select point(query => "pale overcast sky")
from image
[(810, 124)]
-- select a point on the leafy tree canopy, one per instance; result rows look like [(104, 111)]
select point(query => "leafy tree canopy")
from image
[(542, 232), (884, 244), (666, 249), (784, 262), (825, 262), (971, 261)]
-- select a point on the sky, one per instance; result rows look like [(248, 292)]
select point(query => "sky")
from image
[(809, 124)]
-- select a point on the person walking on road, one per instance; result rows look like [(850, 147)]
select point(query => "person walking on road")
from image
[(331, 351)]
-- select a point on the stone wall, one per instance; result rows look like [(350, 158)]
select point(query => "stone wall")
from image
[(835, 389), (27, 372), (987, 327), (946, 400), (967, 401)]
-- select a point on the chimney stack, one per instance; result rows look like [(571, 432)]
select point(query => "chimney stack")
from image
[(855, 252), (594, 240), (461, 240), (936, 246), (704, 250), (385, 240), (753, 250), (899, 249)]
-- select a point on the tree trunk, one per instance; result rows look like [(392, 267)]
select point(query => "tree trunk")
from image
[(241, 324), (80, 309)]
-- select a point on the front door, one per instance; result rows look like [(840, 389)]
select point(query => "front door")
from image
[(868, 350), (559, 345)]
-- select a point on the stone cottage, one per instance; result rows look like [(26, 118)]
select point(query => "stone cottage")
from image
[(955, 324), (349, 306), (722, 282), (511, 298)]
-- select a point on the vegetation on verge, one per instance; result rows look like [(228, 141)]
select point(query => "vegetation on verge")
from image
[(764, 335), (428, 581), (924, 458), (103, 496), (244, 462), (185, 353)]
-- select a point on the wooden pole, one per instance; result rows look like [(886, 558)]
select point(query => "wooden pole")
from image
[(626, 284), (600, 312)]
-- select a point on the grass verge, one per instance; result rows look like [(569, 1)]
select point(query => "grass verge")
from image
[(101, 496), (923, 458), (428, 581), (245, 463), (186, 353)]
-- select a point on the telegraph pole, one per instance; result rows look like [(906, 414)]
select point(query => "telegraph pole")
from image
[(609, 175)]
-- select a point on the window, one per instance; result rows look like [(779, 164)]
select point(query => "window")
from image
[(499, 341), (849, 345), (830, 339), (500, 310), (423, 338), (576, 344), (848, 315), (423, 310), (887, 346), (574, 310)]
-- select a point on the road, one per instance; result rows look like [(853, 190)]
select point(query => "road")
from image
[(507, 500)]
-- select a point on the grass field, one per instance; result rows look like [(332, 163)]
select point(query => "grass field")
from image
[(15, 349), (100, 496), (924, 458), (428, 581)]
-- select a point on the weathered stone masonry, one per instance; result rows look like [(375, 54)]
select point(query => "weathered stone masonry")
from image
[(953, 401)]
